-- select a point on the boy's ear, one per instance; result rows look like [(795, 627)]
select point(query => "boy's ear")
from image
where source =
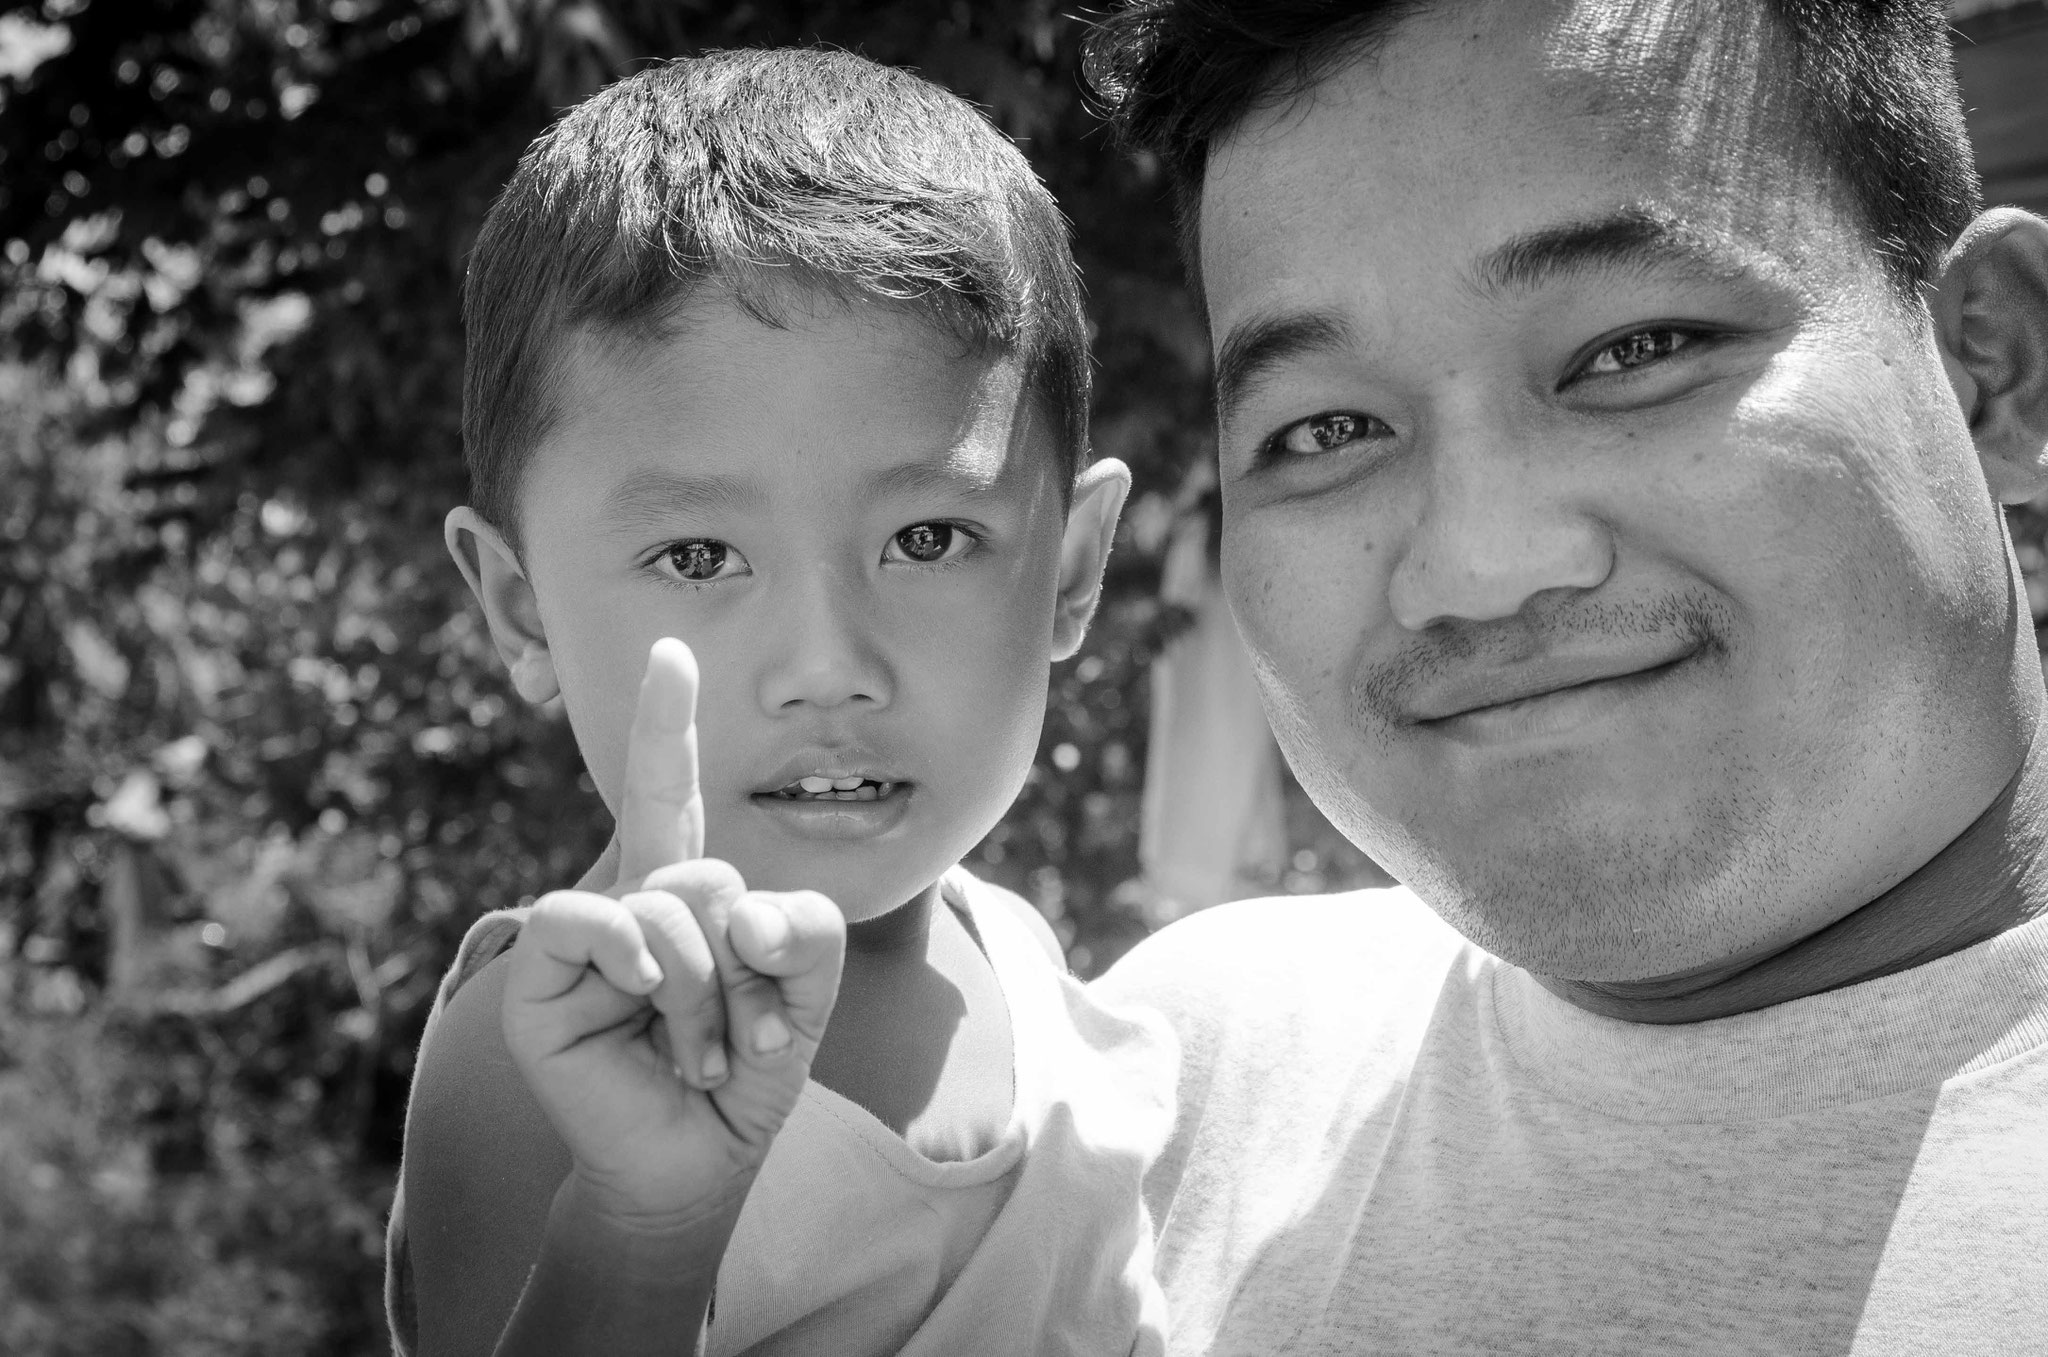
[(1989, 301), (494, 575), (1084, 551)]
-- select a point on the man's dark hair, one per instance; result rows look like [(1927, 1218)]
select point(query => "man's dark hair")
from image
[(1874, 81), (778, 177)]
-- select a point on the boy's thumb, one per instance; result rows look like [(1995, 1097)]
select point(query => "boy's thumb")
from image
[(798, 940)]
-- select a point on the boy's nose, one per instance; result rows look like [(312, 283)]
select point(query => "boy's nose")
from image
[(824, 653)]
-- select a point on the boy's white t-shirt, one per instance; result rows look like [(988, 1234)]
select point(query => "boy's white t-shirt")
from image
[(853, 1243), (1389, 1141)]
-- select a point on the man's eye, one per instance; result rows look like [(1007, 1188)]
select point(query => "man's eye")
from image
[(700, 560), (1327, 432), (927, 542), (1639, 348)]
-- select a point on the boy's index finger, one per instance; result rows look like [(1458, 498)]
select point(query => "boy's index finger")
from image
[(661, 808)]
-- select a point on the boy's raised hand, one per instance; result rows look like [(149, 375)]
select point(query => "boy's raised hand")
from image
[(667, 1026)]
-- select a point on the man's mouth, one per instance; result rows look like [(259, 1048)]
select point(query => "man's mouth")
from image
[(1515, 696), (819, 788), (1557, 653)]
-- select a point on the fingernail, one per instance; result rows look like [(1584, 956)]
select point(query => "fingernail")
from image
[(647, 972), (771, 1034), (772, 927), (715, 1068)]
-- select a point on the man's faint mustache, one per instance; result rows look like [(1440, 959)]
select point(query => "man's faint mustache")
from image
[(1545, 624)]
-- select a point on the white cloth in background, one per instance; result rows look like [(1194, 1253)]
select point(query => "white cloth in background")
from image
[(1390, 1142), (1214, 822)]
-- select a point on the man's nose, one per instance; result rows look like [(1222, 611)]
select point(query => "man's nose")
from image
[(824, 649), (1497, 527)]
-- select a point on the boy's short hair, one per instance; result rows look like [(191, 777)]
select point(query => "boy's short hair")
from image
[(1874, 79), (777, 176)]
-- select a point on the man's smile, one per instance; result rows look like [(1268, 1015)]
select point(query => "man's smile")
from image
[(1482, 688), (1546, 695)]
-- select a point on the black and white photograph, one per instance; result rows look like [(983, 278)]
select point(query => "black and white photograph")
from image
[(1000, 678)]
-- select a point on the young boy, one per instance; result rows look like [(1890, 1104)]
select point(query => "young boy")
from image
[(780, 353)]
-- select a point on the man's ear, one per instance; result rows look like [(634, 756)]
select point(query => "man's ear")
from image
[(1084, 551), (1989, 301), (494, 575)]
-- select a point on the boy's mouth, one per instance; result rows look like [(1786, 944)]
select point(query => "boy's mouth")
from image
[(817, 788), (830, 802)]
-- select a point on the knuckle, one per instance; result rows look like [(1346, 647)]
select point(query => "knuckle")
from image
[(671, 919), (812, 911), (563, 914), (551, 908), (660, 907), (702, 878)]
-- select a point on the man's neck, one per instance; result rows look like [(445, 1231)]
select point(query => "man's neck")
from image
[(1990, 878)]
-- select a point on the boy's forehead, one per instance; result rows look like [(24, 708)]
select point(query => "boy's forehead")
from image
[(877, 399), (713, 339)]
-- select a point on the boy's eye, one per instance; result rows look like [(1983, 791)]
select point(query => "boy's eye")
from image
[(700, 560), (1326, 432), (1636, 349), (926, 542)]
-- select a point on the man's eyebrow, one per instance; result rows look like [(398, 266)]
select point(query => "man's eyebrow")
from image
[(1254, 348), (1632, 238), (654, 499)]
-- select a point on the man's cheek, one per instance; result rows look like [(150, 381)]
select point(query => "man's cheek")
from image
[(1300, 612)]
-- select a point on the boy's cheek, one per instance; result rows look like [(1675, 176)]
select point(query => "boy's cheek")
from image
[(600, 678)]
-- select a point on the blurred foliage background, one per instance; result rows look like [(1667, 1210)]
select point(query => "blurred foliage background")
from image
[(258, 768)]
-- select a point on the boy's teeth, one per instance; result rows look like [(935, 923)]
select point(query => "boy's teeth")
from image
[(838, 788)]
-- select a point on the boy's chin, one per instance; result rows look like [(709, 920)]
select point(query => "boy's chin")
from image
[(867, 870), (860, 895)]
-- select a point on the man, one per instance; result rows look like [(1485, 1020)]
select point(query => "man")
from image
[(1615, 402)]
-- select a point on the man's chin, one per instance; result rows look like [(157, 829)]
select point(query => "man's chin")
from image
[(1595, 921), (1586, 947)]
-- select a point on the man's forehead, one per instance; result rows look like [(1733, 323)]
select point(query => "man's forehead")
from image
[(1619, 101)]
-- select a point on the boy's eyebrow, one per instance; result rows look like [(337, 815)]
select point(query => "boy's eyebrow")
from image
[(954, 476), (655, 498)]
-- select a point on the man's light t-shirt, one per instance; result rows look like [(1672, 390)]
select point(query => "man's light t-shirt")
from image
[(1390, 1142)]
